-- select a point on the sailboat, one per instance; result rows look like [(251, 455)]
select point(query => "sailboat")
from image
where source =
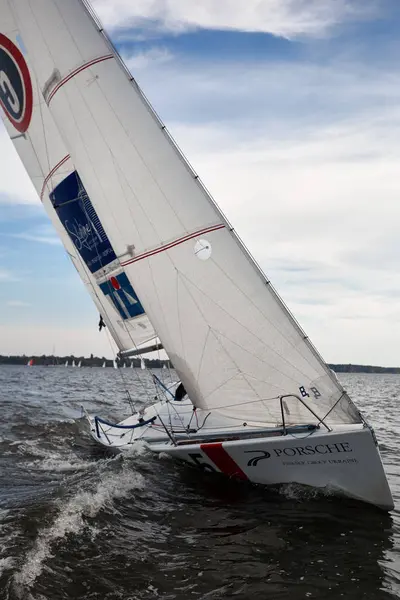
[(79, 364), (30, 363), (66, 364), (166, 269), (104, 364), (142, 364)]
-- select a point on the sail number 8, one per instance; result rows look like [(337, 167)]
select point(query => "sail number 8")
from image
[(314, 391)]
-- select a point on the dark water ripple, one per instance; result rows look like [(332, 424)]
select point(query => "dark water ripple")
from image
[(77, 523)]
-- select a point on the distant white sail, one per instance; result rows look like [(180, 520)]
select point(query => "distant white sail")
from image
[(233, 343), (104, 364), (66, 364), (142, 364)]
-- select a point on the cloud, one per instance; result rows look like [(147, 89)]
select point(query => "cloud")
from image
[(6, 276), (18, 303), (40, 239), (286, 18), (43, 234), (144, 58)]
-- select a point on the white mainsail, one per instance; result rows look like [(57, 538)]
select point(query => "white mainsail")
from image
[(49, 165), (231, 340)]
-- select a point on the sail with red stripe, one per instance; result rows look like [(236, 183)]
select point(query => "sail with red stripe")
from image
[(233, 343), (56, 179)]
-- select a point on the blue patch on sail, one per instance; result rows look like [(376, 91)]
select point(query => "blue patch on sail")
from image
[(121, 293), (81, 222)]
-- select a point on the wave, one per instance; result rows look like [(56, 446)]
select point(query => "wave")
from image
[(73, 519)]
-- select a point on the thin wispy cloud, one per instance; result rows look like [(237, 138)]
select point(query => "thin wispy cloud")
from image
[(42, 234), (144, 58), (286, 18), (7, 276), (18, 304), (39, 239)]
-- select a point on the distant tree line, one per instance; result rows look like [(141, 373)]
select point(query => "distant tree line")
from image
[(96, 361), (363, 369), (92, 361)]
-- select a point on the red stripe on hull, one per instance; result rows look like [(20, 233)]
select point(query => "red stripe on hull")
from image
[(223, 460)]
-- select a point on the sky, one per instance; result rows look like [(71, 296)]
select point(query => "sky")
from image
[(289, 110)]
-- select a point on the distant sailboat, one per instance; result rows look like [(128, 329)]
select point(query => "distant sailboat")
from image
[(30, 363), (66, 364), (142, 364), (80, 364), (115, 364), (104, 364), (73, 363), (166, 269)]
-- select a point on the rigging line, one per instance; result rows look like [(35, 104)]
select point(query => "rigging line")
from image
[(268, 348), (250, 301), (263, 362), (233, 361), (202, 352), (178, 308)]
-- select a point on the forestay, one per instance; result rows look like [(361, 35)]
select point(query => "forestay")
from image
[(51, 169), (233, 343)]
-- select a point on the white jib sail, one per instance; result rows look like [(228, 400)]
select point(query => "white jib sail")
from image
[(49, 166), (233, 343)]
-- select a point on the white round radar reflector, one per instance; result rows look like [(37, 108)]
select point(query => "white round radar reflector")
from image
[(202, 249)]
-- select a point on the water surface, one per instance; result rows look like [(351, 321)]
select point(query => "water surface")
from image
[(79, 524)]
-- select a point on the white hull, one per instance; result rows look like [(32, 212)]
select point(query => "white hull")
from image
[(344, 461)]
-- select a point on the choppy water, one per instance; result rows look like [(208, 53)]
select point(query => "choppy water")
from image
[(77, 524)]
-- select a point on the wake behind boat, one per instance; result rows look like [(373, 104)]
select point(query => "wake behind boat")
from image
[(166, 269)]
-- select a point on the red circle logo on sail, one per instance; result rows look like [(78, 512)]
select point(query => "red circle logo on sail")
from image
[(16, 96)]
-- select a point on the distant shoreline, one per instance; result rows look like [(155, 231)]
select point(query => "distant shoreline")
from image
[(92, 361), (95, 361)]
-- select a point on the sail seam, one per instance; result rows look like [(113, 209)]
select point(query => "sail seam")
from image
[(52, 172), (172, 244), (76, 72)]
